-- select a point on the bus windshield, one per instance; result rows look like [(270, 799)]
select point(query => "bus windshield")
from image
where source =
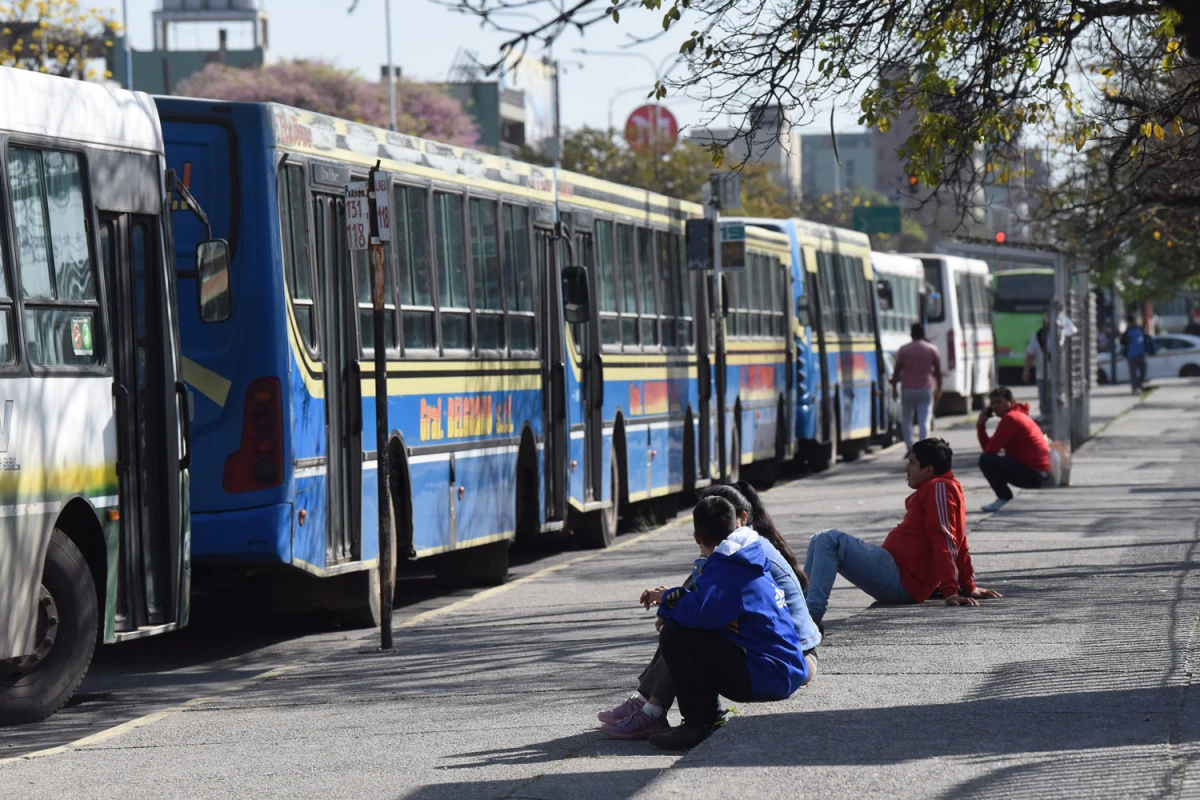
[(1024, 291), (934, 277)]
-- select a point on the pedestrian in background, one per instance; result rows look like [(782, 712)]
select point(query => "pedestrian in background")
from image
[(1135, 346), (1038, 360), (1016, 454), (918, 371)]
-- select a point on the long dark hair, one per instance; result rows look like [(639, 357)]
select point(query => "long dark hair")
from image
[(746, 501)]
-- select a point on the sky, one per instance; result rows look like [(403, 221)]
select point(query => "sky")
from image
[(426, 37)]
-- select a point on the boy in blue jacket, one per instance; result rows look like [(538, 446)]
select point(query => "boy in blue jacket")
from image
[(731, 635)]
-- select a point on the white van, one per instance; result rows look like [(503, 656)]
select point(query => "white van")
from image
[(959, 323)]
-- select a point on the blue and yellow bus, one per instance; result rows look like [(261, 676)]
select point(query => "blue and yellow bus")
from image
[(506, 420), (839, 401)]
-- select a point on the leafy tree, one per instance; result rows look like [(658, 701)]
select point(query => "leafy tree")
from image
[(425, 109), (961, 80), (680, 172), (58, 37)]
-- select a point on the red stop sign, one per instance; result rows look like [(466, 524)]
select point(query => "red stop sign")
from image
[(651, 128)]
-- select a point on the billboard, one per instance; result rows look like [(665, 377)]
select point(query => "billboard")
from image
[(536, 78)]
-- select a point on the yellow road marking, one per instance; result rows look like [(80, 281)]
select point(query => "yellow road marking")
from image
[(149, 719)]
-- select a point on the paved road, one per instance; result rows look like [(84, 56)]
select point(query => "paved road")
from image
[(493, 694)]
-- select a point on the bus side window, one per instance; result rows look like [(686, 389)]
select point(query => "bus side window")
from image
[(606, 283), (410, 239), (297, 254), (668, 292), (648, 296), (8, 355), (683, 283), (629, 286), (485, 261), (453, 300), (57, 271), (518, 273)]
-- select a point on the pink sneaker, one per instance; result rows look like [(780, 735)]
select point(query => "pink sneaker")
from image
[(638, 725), (631, 706)]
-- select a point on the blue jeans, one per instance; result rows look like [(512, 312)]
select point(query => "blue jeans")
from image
[(867, 566), (919, 402), (1137, 372)]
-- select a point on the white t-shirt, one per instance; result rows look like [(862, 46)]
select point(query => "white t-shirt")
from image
[(1034, 348)]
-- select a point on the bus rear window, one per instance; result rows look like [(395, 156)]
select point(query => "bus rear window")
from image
[(1023, 292)]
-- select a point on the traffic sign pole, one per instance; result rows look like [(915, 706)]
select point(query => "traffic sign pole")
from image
[(718, 317), (380, 224)]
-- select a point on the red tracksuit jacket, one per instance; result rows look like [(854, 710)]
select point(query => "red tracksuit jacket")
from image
[(1019, 437), (930, 543)]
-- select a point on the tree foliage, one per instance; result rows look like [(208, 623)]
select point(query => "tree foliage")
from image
[(425, 109), (963, 80), (57, 37)]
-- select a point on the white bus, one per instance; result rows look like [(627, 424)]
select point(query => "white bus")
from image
[(900, 284), (94, 440), (959, 322)]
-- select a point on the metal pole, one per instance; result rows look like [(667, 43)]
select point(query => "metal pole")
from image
[(558, 144), (387, 17), (718, 315), (128, 52), (378, 283)]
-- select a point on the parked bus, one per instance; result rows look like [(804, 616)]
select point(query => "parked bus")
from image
[(901, 288), (506, 421), (1021, 298), (960, 325), (94, 474), (839, 403)]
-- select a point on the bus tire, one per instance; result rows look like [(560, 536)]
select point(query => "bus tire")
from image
[(599, 529), (364, 608), (35, 686), (733, 461)]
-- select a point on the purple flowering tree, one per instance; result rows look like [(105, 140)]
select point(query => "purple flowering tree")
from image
[(425, 109)]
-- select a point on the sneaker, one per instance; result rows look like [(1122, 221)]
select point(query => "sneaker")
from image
[(995, 505), (682, 737), (628, 708), (638, 725)]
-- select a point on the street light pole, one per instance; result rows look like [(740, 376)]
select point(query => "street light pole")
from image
[(128, 52), (387, 16)]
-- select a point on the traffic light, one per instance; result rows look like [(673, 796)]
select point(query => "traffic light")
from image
[(1000, 237), (913, 184)]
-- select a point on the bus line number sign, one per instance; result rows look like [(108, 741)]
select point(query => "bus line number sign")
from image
[(358, 214)]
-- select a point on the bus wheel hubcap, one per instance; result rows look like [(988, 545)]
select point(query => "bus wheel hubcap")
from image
[(46, 636)]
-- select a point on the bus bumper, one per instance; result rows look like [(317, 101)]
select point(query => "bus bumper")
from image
[(260, 535)]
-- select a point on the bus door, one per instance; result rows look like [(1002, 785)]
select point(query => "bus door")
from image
[(146, 396), (554, 379), (337, 311), (592, 370)]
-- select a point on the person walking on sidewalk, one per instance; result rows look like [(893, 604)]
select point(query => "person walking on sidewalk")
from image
[(1037, 358), (925, 553), (918, 370), (644, 713), (731, 635), (1136, 345), (1026, 459)]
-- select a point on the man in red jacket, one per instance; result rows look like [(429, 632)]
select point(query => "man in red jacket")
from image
[(1026, 459), (926, 552)]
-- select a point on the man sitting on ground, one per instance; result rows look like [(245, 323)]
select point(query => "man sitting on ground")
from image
[(926, 552), (730, 635), (1026, 459)]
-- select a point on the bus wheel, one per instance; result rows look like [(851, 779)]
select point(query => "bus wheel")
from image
[(34, 686), (599, 529), (363, 606)]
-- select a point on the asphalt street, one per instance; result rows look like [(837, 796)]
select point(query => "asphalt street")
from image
[(1075, 684)]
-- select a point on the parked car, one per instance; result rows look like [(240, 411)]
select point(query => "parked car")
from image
[(1177, 356)]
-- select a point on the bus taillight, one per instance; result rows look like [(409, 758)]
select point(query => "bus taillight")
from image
[(951, 350), (258, 463)]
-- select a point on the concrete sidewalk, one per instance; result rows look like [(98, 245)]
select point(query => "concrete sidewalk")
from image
[(1076, 684)]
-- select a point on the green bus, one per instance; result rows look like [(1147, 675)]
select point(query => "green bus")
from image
[(1020, 297)]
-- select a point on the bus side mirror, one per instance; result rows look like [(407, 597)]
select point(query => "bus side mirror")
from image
[(883, 289), (723, 293), (934, 307), (802, 314), (576, 302), (726, 299), (212, 280)]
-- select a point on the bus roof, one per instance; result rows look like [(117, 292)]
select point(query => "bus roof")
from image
[(958, 263), (356, 143), (63, 108), (1023, 271), (897, 264)]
